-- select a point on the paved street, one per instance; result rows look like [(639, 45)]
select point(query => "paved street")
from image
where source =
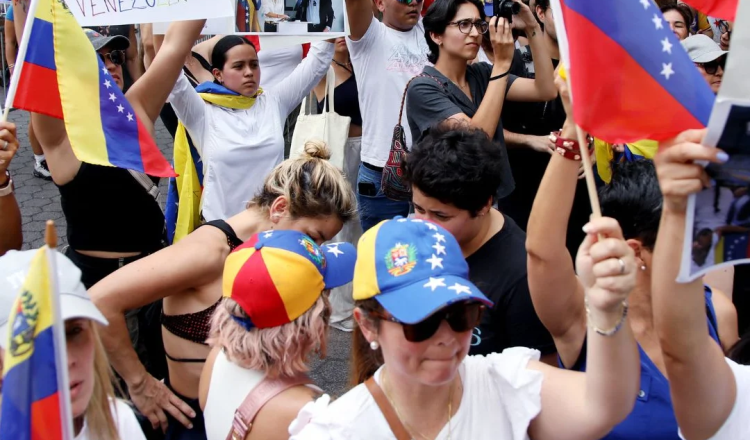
[(40, 201)]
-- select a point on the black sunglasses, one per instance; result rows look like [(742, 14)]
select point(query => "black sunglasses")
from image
[(116, 56), (465, 26), (461, 317), (712, 67)]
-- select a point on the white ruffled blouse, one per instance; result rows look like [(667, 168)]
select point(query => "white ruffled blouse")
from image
[(501, 397)]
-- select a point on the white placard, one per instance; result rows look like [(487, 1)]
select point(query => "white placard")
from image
[(214, 26), (117, 12)]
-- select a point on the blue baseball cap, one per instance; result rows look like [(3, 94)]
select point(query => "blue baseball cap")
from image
[(413, 268)]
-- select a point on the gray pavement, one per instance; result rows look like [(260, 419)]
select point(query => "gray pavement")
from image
[(40, 201)]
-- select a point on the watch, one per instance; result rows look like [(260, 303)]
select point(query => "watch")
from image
[(7, 188)]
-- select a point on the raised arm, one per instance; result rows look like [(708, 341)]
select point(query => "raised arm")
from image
[(701, 383), (304, 77), (11, 235), (359, 13), (555, 290), (542, 88), (140, 283), (586, 406)]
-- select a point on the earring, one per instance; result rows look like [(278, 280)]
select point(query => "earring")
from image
[(374, 345), (643, 267)]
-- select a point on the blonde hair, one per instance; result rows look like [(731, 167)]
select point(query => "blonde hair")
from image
[(276, 351), (98, 415), (312, 186)]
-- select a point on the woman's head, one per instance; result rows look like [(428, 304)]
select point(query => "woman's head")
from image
[(415, 304), (679, 18), (307, 194), (235, 65), (276, 312), (454, 28)]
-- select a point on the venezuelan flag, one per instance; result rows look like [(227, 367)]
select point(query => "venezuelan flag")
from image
[(63, 77), (31, 393)]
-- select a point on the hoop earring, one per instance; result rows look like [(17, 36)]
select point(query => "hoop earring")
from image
[(374, 345)]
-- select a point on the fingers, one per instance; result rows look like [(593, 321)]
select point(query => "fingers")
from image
[(605, 226), (179, 410), (686, 152), (163, 422), (695, 136), (179, 415)]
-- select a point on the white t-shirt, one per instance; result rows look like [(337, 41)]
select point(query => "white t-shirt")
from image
[(277, 64), (268, 6), (127, 424), (313, 11), (501, 397), (384, 60), (737, 425)]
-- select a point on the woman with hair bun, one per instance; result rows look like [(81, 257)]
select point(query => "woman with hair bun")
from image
[(274, 315), (306, 194)]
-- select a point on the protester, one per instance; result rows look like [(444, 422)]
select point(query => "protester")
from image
[(708, 57), (11, 235), (710, 393), (236, 127), (419, 316), (455, 175), (385, 56), (346, 103), (632, 198), (271, 13), (307, 194), (679, 18), (264, 331), (132, 69), (97, 414)]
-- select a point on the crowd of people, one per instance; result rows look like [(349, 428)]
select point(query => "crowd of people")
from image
[(483, 303)]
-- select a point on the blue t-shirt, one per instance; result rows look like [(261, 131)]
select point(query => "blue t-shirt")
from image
[(9, 14), (653, 416)]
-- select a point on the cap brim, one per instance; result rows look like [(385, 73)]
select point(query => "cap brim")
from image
[(340, 262), (416, 302), (116, 42), (710, 56)]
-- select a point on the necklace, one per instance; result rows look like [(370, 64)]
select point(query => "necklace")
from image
[(345, 66), (406, 425)]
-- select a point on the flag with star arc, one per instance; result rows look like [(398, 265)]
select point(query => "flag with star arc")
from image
[(630, 77)]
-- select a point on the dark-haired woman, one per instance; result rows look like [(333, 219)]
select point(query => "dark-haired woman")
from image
[(456, 91), (236, 127), (679, 18), (634, 200)]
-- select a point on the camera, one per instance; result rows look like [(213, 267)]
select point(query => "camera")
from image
[(506, 9)]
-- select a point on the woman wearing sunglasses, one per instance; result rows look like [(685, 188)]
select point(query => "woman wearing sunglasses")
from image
[(416, 310), (708, 57), (456, 91)]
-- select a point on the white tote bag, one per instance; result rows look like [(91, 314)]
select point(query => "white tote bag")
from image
[(328, 126)]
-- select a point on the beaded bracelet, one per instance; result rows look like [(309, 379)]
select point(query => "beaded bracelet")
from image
[(616, 328)]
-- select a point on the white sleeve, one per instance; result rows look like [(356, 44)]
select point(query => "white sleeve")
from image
[(304, 77), (361, 46), (737, 425), (127, 424), (315, 421), (190, 110)]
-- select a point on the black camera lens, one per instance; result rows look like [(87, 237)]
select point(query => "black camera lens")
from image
[(506, 9)]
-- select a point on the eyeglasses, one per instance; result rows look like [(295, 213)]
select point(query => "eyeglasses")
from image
[(409, 2), (461, 317), (116, 56), (465, 26), (712, 67)]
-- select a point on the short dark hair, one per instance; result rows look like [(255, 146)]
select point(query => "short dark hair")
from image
[(634, 199), (437, 18), (683, 10), (219, 53), (458, 166)]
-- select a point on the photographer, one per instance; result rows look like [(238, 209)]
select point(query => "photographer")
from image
[(473, 94)]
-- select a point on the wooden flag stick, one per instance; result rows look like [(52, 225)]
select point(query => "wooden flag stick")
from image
[(50, 234), (588, 172)]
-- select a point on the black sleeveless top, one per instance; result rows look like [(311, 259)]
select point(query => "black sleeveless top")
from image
[(106, 209), (346, 101)]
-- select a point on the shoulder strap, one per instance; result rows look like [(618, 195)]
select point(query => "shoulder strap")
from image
[(406, 89), (232, 240), (388, 412), (256, 399), (146, 183)]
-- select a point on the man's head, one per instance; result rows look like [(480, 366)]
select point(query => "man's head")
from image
[(111, 50), (709, 58), (455, 174), (402, 15), (679, 18), (543, 13)]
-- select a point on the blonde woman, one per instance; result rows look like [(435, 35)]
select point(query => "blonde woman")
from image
[(307, 194), (97, 414), (274, 316)]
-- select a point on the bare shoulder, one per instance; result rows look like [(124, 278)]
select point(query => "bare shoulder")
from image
[(273, 420)]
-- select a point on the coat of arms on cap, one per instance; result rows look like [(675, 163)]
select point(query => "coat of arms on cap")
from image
[(314, 251), (401, 259)]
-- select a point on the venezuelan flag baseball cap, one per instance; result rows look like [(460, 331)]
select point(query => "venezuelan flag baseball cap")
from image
[(413, 268), (277, 276)]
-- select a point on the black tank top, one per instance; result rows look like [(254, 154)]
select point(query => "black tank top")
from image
[(106, 209), (346, 101)]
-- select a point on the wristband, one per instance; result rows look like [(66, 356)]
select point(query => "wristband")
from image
[(493, 78), (7, 187), (567, 148)]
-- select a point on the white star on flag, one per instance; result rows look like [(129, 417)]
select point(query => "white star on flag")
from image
[(107, 84), (402, 220), (440, 249), (416, 220), (334, 249), (435, 262), (646, 3), (268, 234), (667, 71), (658, 22), (460, 288), (130, 117), (439, 237), (431, 226), (434, 283), (666, 46), (120, 108), (112, 97), (105, 71)]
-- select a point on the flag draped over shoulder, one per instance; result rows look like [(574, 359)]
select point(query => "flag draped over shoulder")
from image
[(726, 9), (63, 77), (31, 393), (630, 77)]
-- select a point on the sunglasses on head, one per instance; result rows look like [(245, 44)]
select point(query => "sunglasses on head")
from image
[(462, 317), (116, 56), (712, 67), (464, 26)]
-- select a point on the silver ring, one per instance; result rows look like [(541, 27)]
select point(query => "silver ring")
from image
[(5, 146), (622, 266)]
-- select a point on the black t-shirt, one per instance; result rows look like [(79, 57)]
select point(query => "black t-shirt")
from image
[(498, 269)]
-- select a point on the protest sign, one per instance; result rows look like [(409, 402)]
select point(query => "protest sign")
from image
[(116, 12), (214, 26), (291, 17)]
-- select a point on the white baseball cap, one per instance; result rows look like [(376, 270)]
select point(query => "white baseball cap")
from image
[(75, 302), (702, 49)]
